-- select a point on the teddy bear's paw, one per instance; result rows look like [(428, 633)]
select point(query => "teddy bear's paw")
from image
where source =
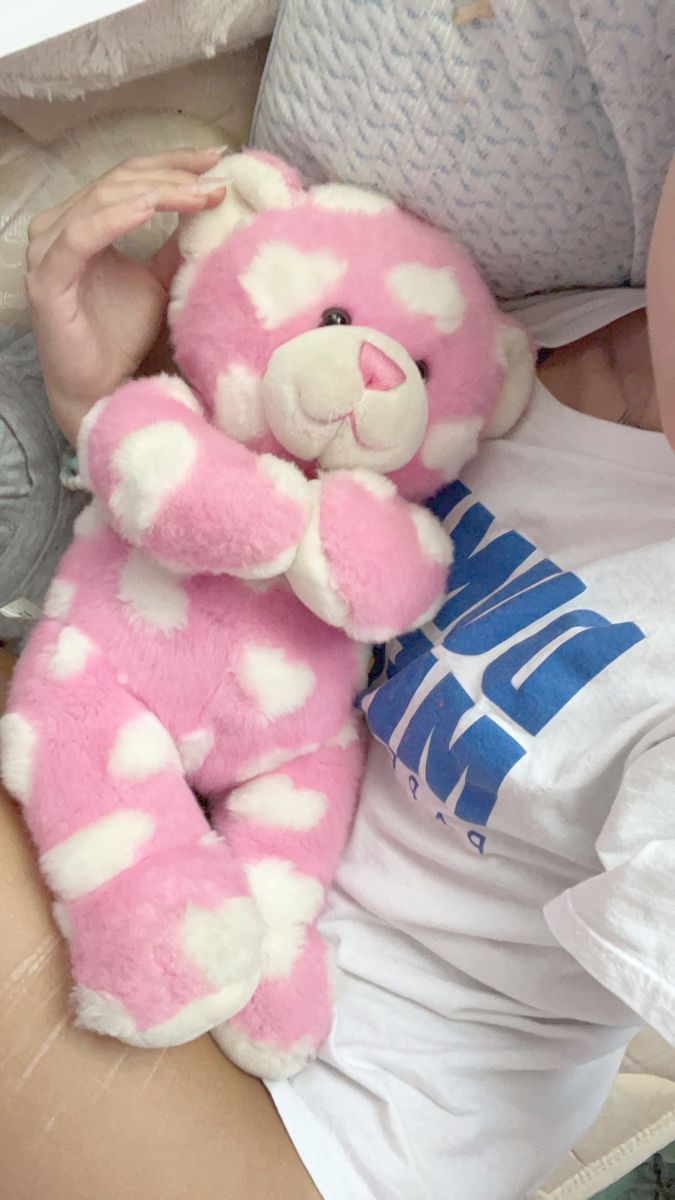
[(289, 484), (167, 950), (334, 573), (286, 1021)]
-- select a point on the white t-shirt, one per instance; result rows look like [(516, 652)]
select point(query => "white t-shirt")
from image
[(518, 813)]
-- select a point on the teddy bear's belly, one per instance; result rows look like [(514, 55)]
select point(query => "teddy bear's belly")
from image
[(242, 675)]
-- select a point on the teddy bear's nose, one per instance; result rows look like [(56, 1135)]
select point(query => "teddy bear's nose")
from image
[(378, 370)]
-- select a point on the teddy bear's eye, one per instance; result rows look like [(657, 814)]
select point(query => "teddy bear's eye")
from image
[(423, 368), (335, 316)]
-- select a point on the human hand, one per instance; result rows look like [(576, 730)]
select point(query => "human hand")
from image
[(97, 312)]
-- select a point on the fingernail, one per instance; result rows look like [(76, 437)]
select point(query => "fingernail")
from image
[(219, 150), (206, 186)]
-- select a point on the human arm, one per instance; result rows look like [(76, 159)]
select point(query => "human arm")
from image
[(96, 312), (370, 562)]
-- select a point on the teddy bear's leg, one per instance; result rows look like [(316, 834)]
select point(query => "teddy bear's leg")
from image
[(289, 829), (163, 935)]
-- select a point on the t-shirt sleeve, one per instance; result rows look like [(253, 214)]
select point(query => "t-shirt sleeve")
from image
[(619, 924)]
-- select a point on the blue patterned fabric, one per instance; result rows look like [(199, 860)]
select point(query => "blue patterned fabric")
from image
[(540, 138)]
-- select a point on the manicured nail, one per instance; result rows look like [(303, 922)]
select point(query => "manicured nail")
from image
[(206, 186), (220, 151)]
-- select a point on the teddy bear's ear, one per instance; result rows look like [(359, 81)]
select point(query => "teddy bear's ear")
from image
[(255, 182), (517, 356)]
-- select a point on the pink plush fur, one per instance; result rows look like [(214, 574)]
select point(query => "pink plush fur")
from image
[(206, 631)]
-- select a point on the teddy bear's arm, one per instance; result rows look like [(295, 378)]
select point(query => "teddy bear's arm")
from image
[(182, 490), (370, 562)]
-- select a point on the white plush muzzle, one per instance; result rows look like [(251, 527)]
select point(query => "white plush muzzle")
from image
[(346, 397)]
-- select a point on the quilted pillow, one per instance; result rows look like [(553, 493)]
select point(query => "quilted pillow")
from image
[(539, 133)]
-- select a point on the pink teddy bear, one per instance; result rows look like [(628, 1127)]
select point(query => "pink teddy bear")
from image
[(250, 535)]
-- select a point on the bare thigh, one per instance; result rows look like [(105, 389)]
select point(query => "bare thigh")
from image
[(83, 1116)]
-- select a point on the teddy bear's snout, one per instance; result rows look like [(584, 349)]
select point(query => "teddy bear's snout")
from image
[(345, 397), (379, 372)]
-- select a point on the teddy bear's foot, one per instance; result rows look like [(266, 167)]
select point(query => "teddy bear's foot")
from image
[(260, 1058), (167, 949), (282, 1027)]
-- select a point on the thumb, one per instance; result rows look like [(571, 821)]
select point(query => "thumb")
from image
[(166, 261)]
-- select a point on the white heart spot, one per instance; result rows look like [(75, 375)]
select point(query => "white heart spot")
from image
[(153, 594), (141, 748), (276, 801), (279, 686), (287, 901), (59, 598), (17, 751), (433, 539), (515, 356), (150, 465), (223, 942), (70, 653), (238, 404), (282, 281), (429, 292), (94, 855), (449, 444)]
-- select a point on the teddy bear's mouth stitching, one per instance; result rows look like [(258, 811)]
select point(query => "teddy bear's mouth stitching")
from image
[(339, 420)]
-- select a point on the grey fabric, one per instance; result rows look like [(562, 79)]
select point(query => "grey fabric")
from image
[(36, 512)]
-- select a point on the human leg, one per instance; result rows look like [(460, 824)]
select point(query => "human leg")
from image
[(83, 1116)]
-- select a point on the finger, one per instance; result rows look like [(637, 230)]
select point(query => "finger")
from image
[(165, 198), (106, 190), (174, 167), (153, 178), (43, 221), (79, 242), (163, 193), (184, 159)]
